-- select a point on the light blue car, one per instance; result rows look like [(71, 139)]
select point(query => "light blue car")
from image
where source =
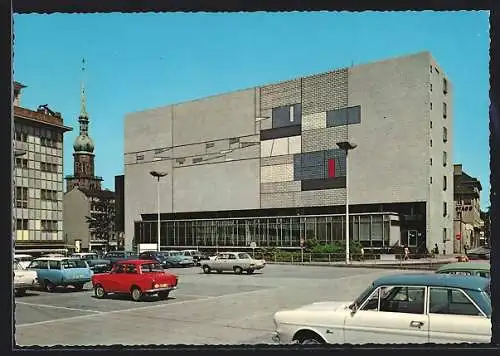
[(61, 271)]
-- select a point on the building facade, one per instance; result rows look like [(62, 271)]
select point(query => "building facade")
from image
[(120, 210), (38, 177), (263, 165), (468, 223)]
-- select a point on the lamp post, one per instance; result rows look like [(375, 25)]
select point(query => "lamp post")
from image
[(346, 146), (158, 175)]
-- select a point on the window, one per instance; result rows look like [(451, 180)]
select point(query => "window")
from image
[(344, 116), (437, 70), (180, 160), (46, 194), (430, 143), (22, 197), (445, 183), (445, 86), (48, 167), (21, 224), (483, 274), (119, 269), (139, 157), (131, 269), (397, 299), (232, 257), (197, 159), (430, 68), (287, 115), (21, 136), (49, 225), (445, 234), (445, 158), (21, 163), (445, 134), (431, 105), (430, 180), (430, 162), (209, 145), (445, 110), (54, 264), (451, 302), (445, 209), (431, 87), (431, 124), (43, 264), (234, 140)]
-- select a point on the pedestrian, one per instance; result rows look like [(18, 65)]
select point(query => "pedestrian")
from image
[(407, 253), (362, 254), (436, 249), (465, 249)]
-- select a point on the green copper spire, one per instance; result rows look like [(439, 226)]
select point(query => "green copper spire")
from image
[(83, 110)]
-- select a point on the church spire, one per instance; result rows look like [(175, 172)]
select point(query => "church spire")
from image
[(83, 109)]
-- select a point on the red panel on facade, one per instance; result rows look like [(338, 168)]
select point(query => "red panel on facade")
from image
[(331, 168)]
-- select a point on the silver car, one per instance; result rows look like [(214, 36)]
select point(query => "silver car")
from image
[(232, 261)]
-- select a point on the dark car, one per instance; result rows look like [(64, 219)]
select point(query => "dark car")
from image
[(96, 263), (480, 253), (154, 256), (115, 256), (196, 255)]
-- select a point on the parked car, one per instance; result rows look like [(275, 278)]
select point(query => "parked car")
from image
[(481, 269), (407, 308), (24, 260), (23, 279), (96, 264), (154, 256), (480, 253), (115, 256), (136, 278), (177, 259), (61, 271), (233, 261), (196, 255)]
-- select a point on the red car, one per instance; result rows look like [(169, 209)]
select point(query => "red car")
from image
[(135, 277)]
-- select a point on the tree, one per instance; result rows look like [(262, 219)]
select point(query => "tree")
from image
[(101, 220)]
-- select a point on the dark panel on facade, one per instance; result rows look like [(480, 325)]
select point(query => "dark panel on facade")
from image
[(280, 132), (120, 203), (287, 115), (314, 165), (320, 184), (344, 116)]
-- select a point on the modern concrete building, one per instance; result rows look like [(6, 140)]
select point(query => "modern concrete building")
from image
[(467, 221), (38, 177), (263, 165)]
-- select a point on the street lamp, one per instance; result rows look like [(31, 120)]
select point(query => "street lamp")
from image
[(346, 146), (158, 175)]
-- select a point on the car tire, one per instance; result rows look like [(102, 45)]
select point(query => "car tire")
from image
[(79, 286), (20, 292), (207, 269), (136, 294), (250, 271), (99, 291), (311, 341), (49, 286), (238, 270), (163, 295)]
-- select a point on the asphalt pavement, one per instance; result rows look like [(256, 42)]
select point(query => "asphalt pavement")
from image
[(205, 309)]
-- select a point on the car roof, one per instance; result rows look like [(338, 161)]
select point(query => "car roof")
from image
[(434, 280), (135, 262), (53, 258), (466, 266)]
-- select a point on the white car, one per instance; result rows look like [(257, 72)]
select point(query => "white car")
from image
[(24, 260), (399, 309), (23, 279), (232, 261)]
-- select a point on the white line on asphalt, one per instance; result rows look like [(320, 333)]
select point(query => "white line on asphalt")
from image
[(59, 307), (169, 304)]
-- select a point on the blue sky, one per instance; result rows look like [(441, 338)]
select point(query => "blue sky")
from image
[(140, 61)]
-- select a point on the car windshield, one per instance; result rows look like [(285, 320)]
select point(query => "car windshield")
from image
[(74, 264), (17, 266), (367, 292), (244, 256), (151, 267), (175, 253)]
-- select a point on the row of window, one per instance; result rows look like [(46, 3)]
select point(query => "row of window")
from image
[(445, 110), (445, 159), (444, 82), (45, 225), (44, 141), (48, 167), (22, 163), (409, 299), (48, 194), (445, 135)]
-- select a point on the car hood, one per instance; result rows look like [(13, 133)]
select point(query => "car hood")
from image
[(325, 306)]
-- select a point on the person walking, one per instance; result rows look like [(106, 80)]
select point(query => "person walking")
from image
[(406, 253)]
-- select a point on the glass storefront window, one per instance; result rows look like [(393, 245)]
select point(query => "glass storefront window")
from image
[(364, 228), (322, 231), (286, 233), (377, 232), (295, 232)]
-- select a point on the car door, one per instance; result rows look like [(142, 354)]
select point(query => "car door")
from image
[(121, 279), (218, 262), (454, 318), (392, 314)]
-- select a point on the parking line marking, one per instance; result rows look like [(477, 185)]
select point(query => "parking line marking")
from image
[(59, 307), (168, 304)]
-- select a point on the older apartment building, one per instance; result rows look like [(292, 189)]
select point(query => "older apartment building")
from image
[(38, 177), (263, 164)]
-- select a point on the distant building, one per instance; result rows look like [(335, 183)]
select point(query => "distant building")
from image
[(485, 231), (267, 164), (88, 209), (38, 177), (467, 222), (120, 209)]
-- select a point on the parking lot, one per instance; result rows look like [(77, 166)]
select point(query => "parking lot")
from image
[(205, 309)]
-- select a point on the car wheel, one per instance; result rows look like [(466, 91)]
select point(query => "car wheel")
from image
[(207, 269), (20, 292), (99, 291), (49, 286), (79, 286), (310, 342), (164, 295), (250, 271), (238, 270), (136, 294)]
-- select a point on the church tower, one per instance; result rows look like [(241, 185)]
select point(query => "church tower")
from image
[(83, 156)]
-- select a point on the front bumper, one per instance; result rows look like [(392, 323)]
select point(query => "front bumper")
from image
[(158, 290), (32, 285)]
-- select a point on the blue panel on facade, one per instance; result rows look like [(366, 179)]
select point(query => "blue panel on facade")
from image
[(314, 165), (312, 159), (339, 117), (283, 116)]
